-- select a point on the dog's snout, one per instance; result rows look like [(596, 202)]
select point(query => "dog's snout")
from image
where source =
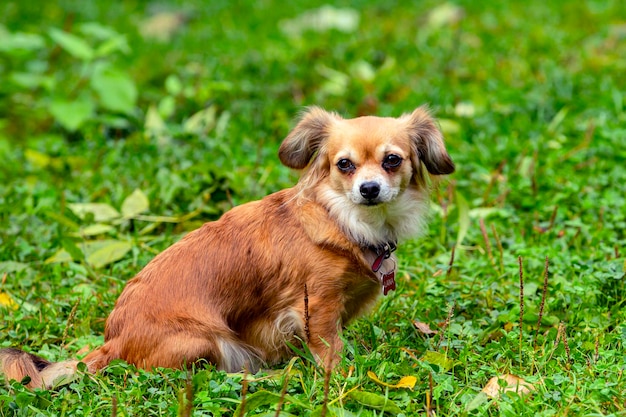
[(370, 190)]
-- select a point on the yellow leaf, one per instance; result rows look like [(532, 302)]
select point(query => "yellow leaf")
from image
[(93, 230), (60, 256), (449, 127), (156, 128), (106, 252), (38, 159), (7, 301), (405, 381), (439, 359), (201, 122), (102, 212), (134, 204), (8, 267)]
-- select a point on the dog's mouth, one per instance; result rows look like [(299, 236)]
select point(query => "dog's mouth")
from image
[(372, 203)]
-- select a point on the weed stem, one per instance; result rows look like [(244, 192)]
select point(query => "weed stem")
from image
[(307, 331), (521, 307), (544, 291)]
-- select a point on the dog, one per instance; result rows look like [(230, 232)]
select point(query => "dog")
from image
[(293, 267)]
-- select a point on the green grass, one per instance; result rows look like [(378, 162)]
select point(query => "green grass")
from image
[(530, 95)]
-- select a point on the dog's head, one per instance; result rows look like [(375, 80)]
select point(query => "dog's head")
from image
[(367, 167)]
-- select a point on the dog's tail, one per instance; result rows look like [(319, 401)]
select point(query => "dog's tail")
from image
[(18, 365)]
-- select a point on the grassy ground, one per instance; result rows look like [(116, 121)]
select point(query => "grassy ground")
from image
[(188, 102)]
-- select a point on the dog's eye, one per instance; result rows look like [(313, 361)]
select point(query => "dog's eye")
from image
[(345, 165), (392, 161)]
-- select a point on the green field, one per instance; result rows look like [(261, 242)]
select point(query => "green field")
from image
[(166, 114)]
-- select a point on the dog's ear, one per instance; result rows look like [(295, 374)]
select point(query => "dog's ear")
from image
[(306, 138), (427, 142)]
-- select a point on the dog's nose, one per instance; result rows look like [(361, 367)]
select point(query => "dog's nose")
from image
[(370, 190)]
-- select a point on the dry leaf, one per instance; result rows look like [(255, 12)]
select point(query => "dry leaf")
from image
[(322, 20), (424, 328), (513, 384), (162, 26), (446, 14)]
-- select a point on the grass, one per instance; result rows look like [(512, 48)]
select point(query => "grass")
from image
[(529, 94)]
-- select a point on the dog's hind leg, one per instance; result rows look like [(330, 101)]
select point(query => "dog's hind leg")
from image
[(178, 350), (224, 351)]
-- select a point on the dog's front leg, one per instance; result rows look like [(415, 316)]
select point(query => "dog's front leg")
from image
[(324, 326)]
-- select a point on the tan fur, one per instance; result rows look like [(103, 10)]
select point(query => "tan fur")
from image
[(232, 292)]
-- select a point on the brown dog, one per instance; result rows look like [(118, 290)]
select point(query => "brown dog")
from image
[(233, 292)]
